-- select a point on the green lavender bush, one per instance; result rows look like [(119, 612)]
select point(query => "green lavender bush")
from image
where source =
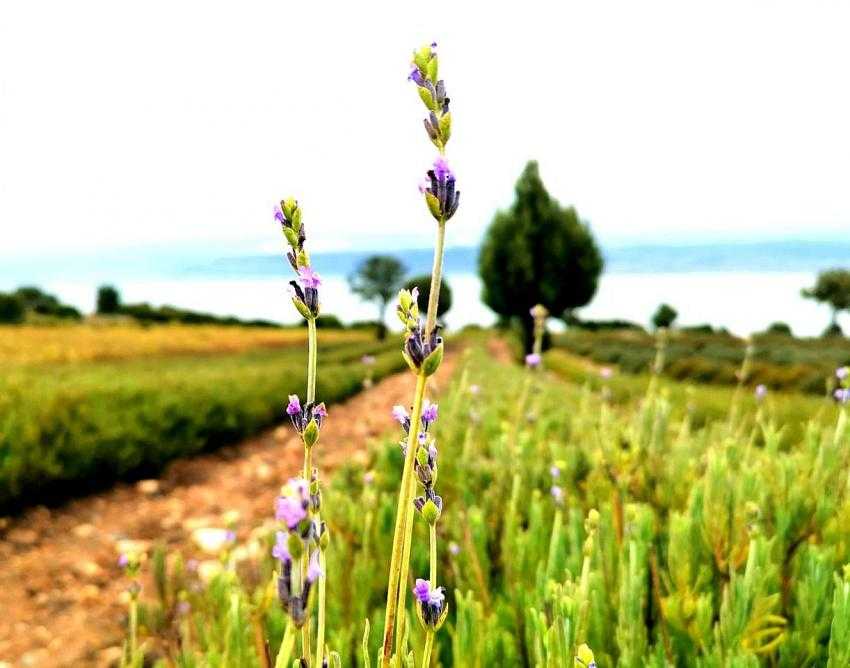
[(574, 520), (780, 362), (64, 426)]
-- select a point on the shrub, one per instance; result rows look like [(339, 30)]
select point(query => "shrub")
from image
[(11, 309)]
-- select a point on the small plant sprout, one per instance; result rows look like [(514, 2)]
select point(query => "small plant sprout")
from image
[(304, 536), (423, 351)]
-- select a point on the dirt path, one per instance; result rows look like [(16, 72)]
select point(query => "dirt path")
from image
[(60, 585)]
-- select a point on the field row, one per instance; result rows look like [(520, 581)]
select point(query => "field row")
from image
[(70, 428)]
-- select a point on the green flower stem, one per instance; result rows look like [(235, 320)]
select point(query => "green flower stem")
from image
[(286, 647), (401, 520), (436, 278), (320, 633), (134, 624), (433, 554), (312, 354), (429, 646), (312, 357)]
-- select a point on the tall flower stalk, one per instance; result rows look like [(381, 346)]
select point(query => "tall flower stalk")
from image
[(423, 351), (305, 536)]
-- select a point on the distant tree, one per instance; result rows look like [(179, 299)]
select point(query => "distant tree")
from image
[(36, 300), (664, 316), (779, 328), (108, 300), (11, 309), (378, 279), (537, 252), (832, 287), (424, 284)]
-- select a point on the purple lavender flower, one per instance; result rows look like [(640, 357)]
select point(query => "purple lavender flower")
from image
[(367, 360), (842, 372), (761, 392), (230, 536), (442, 170), (554, 471), (416, 76), (278, 214), (606, 372), (123, 561), (429, 413), (415, 295), (280, 550), (422, 590), (842, 395), (308, 278), (454, 549), (442, 197), (431, 601), (400, 414), (294, 406), (292, 507), (368, 478), (557, 494), (319, 410), (314, 570), (532, 360)]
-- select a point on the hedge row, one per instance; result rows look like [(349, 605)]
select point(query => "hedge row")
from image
[(78, 428)]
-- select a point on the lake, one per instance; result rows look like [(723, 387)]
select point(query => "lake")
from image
[(743, 287)]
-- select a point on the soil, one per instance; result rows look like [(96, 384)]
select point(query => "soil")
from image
[(60, 584)]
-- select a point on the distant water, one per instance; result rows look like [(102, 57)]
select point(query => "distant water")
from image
[(740, 286)]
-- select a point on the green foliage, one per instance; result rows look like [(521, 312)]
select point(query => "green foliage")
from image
[(36, 301), (664, 316), (12, 309), (832, 287), (537, 252), (424, 284), (59, 432), (378, 278), (108, 300), (676, 542), (780, 362), (145, 313), (779, 328)]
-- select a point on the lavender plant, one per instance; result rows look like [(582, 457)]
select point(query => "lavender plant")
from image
[(304, 537), (423, 351)]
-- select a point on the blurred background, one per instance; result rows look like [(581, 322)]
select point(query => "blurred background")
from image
[(706, 148)]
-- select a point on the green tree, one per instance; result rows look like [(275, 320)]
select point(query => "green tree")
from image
[(537, 252), (11, 309), (377, 279), (831, 287), (423, 282), (108, 300), (664, 316)]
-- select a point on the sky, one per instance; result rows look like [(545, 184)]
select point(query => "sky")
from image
[(169, 124)]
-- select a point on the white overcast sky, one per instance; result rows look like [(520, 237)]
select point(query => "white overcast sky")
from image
[(125, 124)]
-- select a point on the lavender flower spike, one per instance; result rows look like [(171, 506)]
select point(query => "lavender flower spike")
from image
[(294, 406)]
